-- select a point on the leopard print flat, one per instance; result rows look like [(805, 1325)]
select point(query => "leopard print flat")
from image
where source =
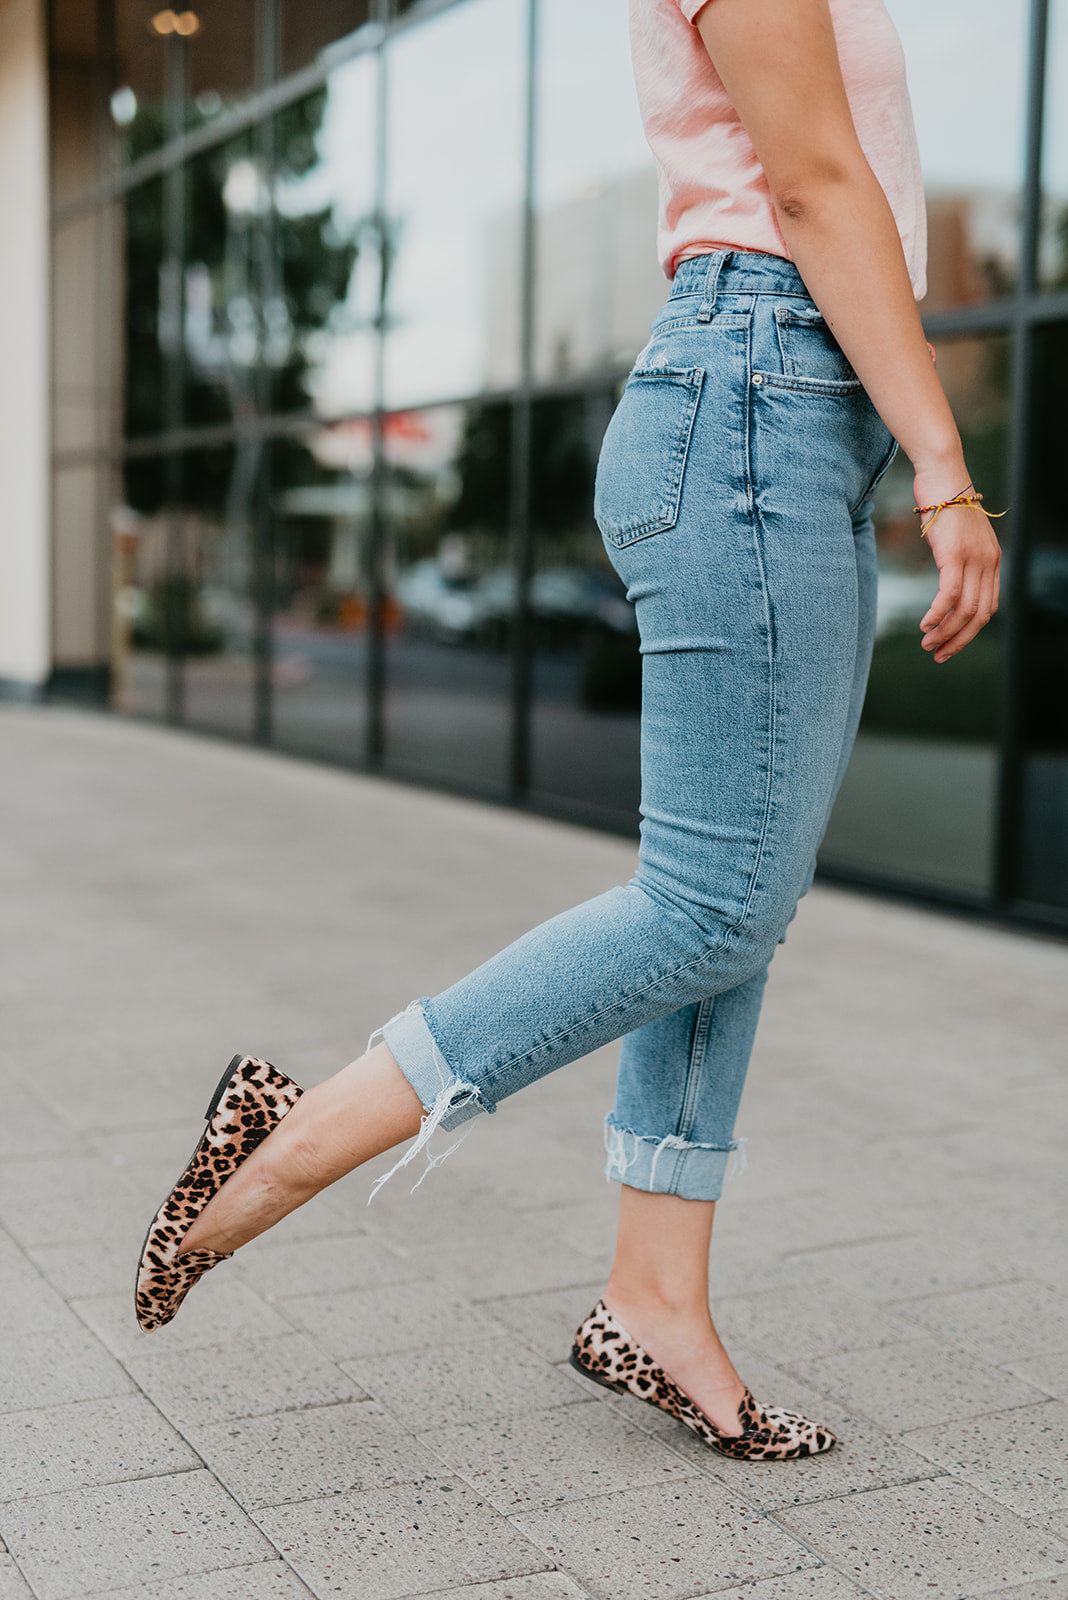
[(605, 1352), (251, 1099)]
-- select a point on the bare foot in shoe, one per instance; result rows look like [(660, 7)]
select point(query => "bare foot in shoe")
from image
[(688, 1348)]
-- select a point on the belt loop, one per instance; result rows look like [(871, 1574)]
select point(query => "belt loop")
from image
[(717, 262)]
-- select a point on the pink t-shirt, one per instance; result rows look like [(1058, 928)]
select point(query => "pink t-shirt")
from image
[(713, 191)]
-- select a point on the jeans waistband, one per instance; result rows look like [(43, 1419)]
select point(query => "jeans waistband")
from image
[(736, 272)]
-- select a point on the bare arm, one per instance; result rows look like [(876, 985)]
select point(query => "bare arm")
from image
[(779, 65)]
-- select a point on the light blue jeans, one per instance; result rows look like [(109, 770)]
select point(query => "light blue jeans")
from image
[(734, 494)]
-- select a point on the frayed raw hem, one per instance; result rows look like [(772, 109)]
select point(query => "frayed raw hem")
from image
[(447, 1099), (671, 1165)]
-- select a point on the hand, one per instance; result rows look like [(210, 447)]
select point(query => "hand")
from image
[(968, 558)]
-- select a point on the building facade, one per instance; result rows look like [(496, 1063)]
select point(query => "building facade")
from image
[(336, 301)]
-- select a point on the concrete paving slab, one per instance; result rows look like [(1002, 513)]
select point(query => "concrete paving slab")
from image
[(72, 1545), (221, 1308), (30, 1128), (396, 1317), (50, 1369), (818, 1583), (1004, 1322), (1044, 1589), (13, 1585), (66, 1199), (1048, 1372), (535, 1586), (663, 1543), (214, 1383), (325, 1265), (926, 1541), (461, 1382), (536, 1458), (513, 1257), (55, 1448), (267, 1580), (75, 1270), (806, 1322), (916, 1383), (399, 1542), (903, 1268), (545, 1322), (307, 1455), (28, 1304), (1019, 1458)]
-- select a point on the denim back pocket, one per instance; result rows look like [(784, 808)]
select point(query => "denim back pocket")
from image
[(643, 455), (811, 355)]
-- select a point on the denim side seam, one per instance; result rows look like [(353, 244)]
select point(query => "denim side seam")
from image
[(447, 1098), (695, 1172)]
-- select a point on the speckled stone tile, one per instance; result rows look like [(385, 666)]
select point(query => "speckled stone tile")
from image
[(332, 1265), (1003, 1322), (399, 1542), (663, 1542), (219, 1309), (797, 1324), (55, 1448), (390, 1319), (307, 1455), (561, 1453), (461, 1383), (1019, 1458), (267, 1580), (533, 1586), (817, 1583), (886, 1270), (546, 1322), (1048, 1372), (48, 1369), (13, 1585), (926, 1541), (907, 1385), (214, 1383), (74, 1544)]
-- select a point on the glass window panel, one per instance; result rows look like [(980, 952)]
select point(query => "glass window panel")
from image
[(586, 667), (1044, 700), (221, 575), (151, 312), (193, 570), (225, 315), (201, 74), (967, 75), (320, 515), (598, 282), (918, 801), (145, 672), (308, 31), (1053, 243), (451, 595), (327, 244), (454, 148)]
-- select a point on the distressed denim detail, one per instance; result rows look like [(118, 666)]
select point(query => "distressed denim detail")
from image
[(446, 1098), (670, 1165), (754, 590)]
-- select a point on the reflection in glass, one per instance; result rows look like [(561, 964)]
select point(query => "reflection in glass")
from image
[(327, 243), (189, 593), (320, 508), (450, 595), (918, 801), (309, 31), (153, 313), (967, 72), (1044, 700), (454, 187), (597, 279), (586, 671), (1053, 241), (167, 81)]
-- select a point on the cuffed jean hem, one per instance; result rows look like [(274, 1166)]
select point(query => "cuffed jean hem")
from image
[(670, 1165), (446, 1098), (416, 1052)]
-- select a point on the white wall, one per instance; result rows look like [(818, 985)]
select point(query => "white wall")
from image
[(24, 278)]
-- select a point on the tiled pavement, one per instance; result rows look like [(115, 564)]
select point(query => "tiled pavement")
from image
[(375, 1402)]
